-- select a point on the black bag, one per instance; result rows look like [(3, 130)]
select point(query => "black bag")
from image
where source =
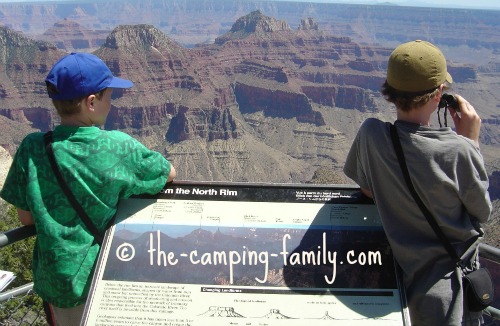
[(478, 289)]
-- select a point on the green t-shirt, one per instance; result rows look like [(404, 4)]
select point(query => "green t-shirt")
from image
[(101, 167)]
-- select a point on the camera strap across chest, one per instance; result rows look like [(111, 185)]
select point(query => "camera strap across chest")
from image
[(67, 191), (430, 219)]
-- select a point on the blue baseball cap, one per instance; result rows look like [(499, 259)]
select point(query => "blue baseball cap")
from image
[(81, 74)]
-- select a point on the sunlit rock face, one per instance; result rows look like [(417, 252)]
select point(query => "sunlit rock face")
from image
[(261, 101)]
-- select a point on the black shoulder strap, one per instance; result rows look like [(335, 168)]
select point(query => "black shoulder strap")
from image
[(78, 208), (404, 168)]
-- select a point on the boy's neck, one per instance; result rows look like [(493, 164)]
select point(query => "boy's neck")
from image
[(420, 115), (75, 121), (415, 117)]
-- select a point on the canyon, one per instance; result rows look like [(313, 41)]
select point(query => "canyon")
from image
[(242, 91)]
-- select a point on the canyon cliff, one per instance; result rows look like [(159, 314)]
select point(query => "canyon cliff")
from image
[(263, 102)]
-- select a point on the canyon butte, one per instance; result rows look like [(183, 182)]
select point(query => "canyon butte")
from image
[(259, 102)]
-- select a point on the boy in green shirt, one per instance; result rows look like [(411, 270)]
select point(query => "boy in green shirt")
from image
[(100, 167)]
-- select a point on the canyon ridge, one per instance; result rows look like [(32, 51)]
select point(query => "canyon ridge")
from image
[(243, 91)]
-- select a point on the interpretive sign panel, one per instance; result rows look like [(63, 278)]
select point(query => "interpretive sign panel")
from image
[(243, 254)]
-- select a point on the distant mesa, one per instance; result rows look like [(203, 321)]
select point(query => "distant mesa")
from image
[(70, 36), (142, 37), (12, 40), (308, 24), (256, 24)]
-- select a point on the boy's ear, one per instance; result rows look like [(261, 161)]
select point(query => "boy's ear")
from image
[(89, 102), (441, 90), (439, 94)]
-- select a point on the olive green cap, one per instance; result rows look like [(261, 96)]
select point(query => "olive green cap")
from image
[(417, 66)]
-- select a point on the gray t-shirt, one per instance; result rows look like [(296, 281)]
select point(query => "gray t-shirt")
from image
[(447, 171)]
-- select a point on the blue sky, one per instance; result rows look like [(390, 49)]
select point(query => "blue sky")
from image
[(475, 4)]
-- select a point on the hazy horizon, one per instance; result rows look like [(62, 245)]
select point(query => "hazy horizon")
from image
[(466, 4)]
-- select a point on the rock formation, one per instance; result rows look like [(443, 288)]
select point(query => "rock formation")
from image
[(263, 102), (70, 36), (24, 63), (255, 24)]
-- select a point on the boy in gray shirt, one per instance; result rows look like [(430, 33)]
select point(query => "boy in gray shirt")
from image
[(447, 171)]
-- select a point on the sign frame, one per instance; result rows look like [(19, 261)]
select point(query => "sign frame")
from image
[(336, 264)]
